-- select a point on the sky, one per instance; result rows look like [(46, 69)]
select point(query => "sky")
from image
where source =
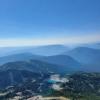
[(40, 22)]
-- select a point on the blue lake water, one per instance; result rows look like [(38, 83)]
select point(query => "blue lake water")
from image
[(51, 81)]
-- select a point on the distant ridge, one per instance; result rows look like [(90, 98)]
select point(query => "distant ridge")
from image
[(18, 57), (63, 60), (85, 55), (32, 65), (46, 50), (39, 66)]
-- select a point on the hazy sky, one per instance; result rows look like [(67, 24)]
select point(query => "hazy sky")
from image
[(36, 22)]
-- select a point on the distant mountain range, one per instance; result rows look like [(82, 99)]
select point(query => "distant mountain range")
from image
[(18, 57), (92, 45), (63, 60), (38, 66), (85, 55), (50, 50), (76, 59), (32, 65), (47, 50), (25, 69)]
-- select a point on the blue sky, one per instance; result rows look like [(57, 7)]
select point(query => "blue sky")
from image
[(42, 21)]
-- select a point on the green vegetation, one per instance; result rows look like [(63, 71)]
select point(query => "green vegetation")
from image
[(82, 86)]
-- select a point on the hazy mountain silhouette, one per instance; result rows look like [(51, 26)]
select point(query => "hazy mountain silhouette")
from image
[(18, 57), (42, 66), (46, 50), (86, 55), (63, 60)]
